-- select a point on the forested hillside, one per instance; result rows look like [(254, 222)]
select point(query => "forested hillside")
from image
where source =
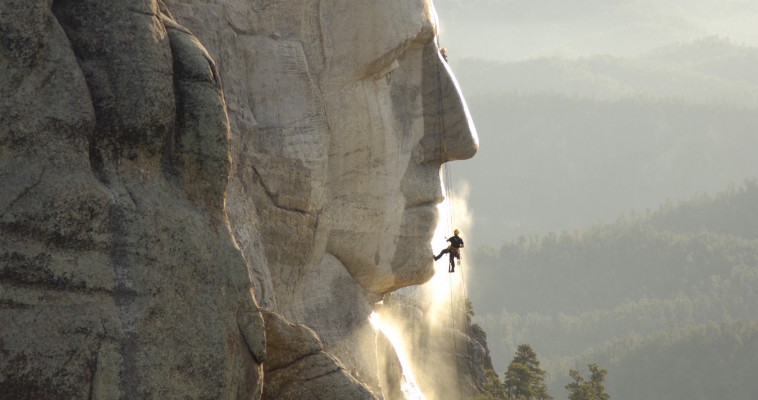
[(574, 142), (709, 361), (709, 70), (632, 294)]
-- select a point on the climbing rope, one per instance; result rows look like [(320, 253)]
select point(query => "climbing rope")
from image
[(447, 177), (447, 182)]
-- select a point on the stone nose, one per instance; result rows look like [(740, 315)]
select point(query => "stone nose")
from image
[(449, 132)]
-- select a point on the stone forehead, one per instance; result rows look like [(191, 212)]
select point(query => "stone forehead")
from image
[(346, 39), (360, 35)]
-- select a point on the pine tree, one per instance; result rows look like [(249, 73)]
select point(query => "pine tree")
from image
[(593, 389), (493, 388), (524, 379)]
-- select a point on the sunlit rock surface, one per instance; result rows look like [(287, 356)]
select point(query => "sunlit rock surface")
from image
[(449, 352), (336, 111)]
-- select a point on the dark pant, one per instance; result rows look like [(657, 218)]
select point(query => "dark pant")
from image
[(454, 253)]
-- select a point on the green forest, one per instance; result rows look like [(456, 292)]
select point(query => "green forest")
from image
[(665, 300)]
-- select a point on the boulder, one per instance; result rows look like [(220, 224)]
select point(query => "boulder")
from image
[(298, 368)]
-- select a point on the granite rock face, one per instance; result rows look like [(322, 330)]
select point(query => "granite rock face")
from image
[(119, 277), (298, 368), (342, 113), (169, 165)]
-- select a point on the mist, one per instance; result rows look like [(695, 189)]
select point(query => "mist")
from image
[(513, 30), (612, 199)]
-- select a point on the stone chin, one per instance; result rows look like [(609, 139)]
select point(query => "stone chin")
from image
[(412, 262)]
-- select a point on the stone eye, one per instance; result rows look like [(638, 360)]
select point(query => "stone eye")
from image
[(386, 72)]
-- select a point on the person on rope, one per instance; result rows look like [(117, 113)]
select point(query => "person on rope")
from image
[(456, 244)]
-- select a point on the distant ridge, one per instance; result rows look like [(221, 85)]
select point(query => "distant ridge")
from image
[(710, 70)]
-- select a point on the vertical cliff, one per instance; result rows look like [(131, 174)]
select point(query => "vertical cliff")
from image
[(170, 166)]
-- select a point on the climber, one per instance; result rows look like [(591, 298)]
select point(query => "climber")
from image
[(456, 244), (443, 51)]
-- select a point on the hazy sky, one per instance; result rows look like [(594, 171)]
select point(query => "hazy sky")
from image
[(511, 30), (580, 30)]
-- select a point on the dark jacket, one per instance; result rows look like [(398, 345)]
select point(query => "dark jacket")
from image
[(456, 242)]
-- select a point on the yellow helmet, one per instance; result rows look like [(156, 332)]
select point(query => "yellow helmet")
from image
[(455, 231)]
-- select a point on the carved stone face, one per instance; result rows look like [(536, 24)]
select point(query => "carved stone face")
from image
[(337, 111), (395, 115)]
